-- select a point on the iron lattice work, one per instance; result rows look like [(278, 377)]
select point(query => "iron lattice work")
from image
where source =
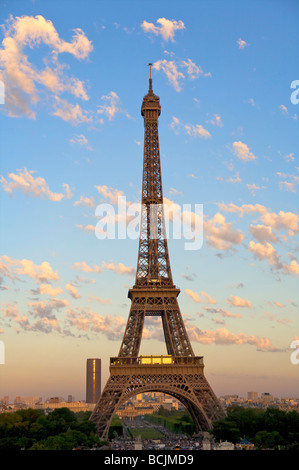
[(154, 294)]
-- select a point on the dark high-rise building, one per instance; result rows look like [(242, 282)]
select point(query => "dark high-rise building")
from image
[(93, 380)]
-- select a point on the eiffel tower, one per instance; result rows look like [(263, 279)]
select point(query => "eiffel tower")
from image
[(179, 373)]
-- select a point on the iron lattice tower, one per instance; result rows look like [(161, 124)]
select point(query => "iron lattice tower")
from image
[(180, 373)]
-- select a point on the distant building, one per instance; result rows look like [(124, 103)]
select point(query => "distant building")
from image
[(252, 396), (74, 406), (32, 399), (267, 397), (93, 380), (225, 446), (19, 400), (5, 400), (129, 410), (54, 400)]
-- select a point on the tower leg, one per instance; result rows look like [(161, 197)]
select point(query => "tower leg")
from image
[(133, 334), (107, 405)]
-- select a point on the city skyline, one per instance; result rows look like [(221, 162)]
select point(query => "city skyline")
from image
[(74, 85), (250, 398)]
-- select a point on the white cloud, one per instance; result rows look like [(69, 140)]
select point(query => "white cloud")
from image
[(221, 234), (222, 312), (284, 110), (42, 308), (68, 192), (81, 140), (47, 289), (290, 157), (72, 290), (208, 298), (43, 311), (241, 43), (268, 252), (292, 268), (216, 121), (282, 221), (242, 151), (20, 76), (175, 124), (235, 179), (194, 130), (171, 71), (263, 233), (194, 296), (176, 192), (265, 251), (253, 188), (271, 317), (193, 70), (85, 201), (197, 130), (30, 186), (89, 321), (83, 266), (69, 112), (13, 268), (87, 228), (111, 106), (99, 300), (119, 268), (225, 337), (40, 273), (166, 28), (12, 313), (236, 301), (287, 186), (110, 193)]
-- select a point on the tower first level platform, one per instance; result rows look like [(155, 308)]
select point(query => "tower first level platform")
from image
[(178, 376)]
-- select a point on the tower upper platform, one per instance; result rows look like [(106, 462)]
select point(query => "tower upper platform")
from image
[(151, 102)]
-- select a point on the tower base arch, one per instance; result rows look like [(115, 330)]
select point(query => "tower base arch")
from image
[(180, 377)]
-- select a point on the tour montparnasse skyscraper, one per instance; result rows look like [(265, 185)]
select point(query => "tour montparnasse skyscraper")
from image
[(180, 373)]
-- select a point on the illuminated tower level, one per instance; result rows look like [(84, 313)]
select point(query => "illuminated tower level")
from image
[(180, 373)]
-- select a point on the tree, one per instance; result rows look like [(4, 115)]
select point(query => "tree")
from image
[(224, 430), (268, 440), (162, 411)]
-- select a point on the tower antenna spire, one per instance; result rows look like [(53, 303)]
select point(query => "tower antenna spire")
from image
[(150, 77)]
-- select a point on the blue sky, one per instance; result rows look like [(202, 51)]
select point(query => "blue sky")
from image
[(72, 137)]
